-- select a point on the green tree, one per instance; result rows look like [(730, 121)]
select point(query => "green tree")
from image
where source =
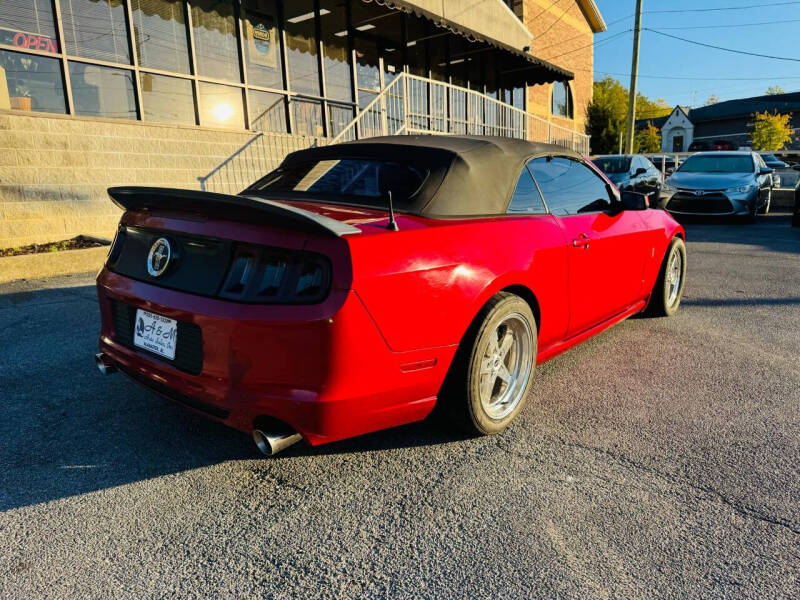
[(607, 113), (648, 140), (771, 131), (774, 90)]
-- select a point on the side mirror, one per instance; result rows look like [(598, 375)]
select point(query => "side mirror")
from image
[(766, 171), (635, 201), (670, 171), (639, 171)]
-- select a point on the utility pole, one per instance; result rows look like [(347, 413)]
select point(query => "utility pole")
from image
[(637, 32)]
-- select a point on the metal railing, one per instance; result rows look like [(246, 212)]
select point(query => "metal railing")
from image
[(255, 158), (408, 105), (412, 105)]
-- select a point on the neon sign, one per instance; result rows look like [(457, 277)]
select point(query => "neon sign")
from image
[(36, 42)]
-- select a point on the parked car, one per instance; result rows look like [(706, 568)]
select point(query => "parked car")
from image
[(772, 161), (722, 145), (721, 183), (699, 146), (360, 284), (632, 172), (667, 161)]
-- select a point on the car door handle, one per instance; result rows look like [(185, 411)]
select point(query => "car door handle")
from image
[(581, 242)]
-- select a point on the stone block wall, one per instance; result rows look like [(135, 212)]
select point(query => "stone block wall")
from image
[(54, 170)]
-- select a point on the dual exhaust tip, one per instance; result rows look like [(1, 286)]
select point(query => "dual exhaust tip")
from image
[(269, 443)]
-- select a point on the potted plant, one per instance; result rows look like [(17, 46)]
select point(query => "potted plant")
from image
[(21, 100)]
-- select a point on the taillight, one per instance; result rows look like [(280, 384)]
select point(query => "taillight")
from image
[(276, 276)]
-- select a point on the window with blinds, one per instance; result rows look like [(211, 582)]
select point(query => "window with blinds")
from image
[(28, 24), (161, 34), (96, 29), (216, 46)]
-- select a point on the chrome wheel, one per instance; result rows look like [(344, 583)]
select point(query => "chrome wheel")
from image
[(673, 278), (506, 366)]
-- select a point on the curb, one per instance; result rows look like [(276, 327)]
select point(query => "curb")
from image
[(51, 264)]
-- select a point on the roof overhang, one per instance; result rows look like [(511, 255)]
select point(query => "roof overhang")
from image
[(596, 21), (486, 20), (490, 22)]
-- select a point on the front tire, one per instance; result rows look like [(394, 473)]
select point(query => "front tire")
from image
[(668, 290), (493, 371)]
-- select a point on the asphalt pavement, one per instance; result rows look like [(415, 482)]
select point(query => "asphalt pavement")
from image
[(660, 459)]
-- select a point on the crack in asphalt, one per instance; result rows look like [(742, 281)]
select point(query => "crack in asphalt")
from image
[(625, 461), (742, 509)]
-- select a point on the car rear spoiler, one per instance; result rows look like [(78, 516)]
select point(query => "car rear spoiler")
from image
[(248, 208)]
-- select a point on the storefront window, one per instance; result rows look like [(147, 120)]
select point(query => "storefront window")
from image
[(338, 118), (338, 76), (161, 36), (96, 29), (262, 45), (307, 117), (28, 24), (221, 106), (267, 112), (216, 47), (562, 100), (29, 82), (368, 72), (437, 45), (301, 46), (167, 99), (102, 91)]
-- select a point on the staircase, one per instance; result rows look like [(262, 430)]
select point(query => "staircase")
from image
[(409, 105), (416, 105)]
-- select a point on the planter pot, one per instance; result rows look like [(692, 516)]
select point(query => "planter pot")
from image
[(21, 103)]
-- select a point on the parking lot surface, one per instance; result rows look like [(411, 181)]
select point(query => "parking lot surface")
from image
[(660, 459)]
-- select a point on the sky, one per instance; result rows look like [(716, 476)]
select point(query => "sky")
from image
[(686, 74)]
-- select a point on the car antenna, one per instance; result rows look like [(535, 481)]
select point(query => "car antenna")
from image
[(392, 225)]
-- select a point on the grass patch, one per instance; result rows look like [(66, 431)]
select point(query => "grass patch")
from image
[(76, 243)]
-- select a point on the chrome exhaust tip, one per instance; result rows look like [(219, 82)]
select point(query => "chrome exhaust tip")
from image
[(104, 364), (272, 443)]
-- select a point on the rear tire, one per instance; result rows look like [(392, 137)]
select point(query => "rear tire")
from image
[(668, 290), (492, 371)]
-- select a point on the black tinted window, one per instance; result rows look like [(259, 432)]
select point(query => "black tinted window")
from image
[(569, 187), (613, 164), (356, 180), (526, 198)]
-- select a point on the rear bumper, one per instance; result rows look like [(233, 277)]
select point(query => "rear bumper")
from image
[(324, 370)]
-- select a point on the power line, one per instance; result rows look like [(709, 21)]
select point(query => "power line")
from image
[(582, 35), (595, 44), (684, 10), (721, 48), (735, 25), (552, 4), (553, 24), (773, 78)]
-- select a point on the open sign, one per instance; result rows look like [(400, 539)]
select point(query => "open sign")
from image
[(36, 42)]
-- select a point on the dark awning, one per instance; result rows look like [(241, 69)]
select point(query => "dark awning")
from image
[(486, 22)]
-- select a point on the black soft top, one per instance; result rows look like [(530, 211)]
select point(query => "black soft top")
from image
[(469, 175)]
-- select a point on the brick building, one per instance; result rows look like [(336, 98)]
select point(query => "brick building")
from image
[(191, 93)]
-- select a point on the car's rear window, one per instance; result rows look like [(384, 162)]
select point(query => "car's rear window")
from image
[(350, 180), (723, 163), (613, 164)]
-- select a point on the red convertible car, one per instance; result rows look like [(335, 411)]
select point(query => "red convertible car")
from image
[(359, 284)]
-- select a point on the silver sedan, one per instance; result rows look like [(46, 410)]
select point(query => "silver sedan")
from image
[(720, 183)]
